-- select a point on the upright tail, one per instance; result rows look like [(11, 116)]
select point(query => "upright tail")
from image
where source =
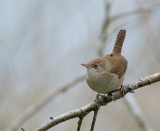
[(119, 42)]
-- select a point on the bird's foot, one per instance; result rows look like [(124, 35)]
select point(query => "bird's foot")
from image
[(97, 100), (123, 91), (99, 97)]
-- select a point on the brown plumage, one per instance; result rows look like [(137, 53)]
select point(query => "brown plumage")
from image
[(107, 73), (119, 42)]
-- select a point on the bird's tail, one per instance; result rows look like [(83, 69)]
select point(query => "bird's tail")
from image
[(119, 42)]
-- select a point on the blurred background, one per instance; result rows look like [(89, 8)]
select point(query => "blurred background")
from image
[(43, 43)]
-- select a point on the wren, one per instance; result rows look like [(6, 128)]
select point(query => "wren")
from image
[(107, 73)]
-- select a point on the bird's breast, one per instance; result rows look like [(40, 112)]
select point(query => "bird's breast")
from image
[(103, 83)]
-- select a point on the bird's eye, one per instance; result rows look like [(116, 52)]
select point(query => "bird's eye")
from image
[(95, 65)]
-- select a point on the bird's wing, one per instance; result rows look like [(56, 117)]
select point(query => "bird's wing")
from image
[(119, 66)]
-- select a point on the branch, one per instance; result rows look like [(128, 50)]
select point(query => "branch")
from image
[(130, 13), (94, 119), (80, 123), (102, 101)]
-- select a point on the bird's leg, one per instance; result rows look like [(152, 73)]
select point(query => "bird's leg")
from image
[(97, 100), (100, 96), (123, 91)]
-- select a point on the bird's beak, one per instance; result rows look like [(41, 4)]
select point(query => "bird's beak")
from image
[(86, 65)]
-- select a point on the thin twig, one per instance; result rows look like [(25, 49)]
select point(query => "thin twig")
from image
[(102, 101), (131, 12), (80, 123), (37, 106), (94, 119)]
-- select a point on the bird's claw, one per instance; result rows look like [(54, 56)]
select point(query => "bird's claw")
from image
[(97, 100), (123, 91)]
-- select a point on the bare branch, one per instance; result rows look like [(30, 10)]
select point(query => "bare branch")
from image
[(102, 101), (80, 123), (94, 118), (130, 13)]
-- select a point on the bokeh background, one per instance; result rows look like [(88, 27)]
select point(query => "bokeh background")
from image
[(43, 43)]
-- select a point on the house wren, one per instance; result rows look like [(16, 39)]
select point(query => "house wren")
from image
[(107, 73)]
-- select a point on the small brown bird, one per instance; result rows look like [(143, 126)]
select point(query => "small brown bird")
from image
[(107, 73)]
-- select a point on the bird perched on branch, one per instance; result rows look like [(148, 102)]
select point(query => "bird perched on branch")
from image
[(107, 73)]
